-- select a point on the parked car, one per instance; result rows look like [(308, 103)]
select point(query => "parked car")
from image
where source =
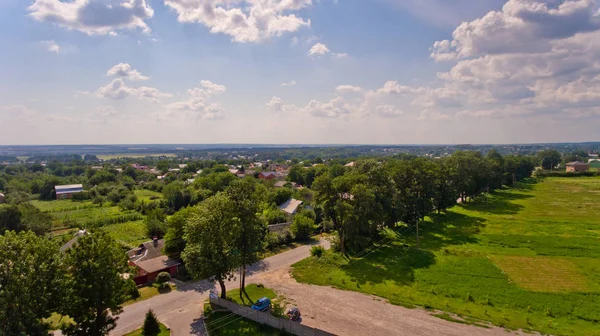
[(293, 314), (263, 304)]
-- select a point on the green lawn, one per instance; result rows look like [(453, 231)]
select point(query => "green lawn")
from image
[(131, 234), (225, 323), (147, 195), (521, 258), (163, 332), (148, 292)]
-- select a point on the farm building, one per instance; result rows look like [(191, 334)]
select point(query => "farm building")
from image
[(67, 191), (149, 261), (577, 166), (1, 198), (290, 206)]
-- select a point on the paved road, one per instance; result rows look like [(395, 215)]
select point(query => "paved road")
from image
[(182, 308)]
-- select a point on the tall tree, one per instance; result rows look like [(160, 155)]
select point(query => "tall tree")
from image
[(252, 230), (174, 242), (96, 285), (549, 158), (30, 283), (210, 235)]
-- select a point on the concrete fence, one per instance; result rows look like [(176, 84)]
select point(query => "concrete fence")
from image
[(268, 319)]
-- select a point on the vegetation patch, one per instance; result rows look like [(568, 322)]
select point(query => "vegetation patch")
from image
[(164, 331), (130, 234), (543, 274)]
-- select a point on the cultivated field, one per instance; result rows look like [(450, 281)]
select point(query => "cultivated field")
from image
[(521, 258), (132, 156)]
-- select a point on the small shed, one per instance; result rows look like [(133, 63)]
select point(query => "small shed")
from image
[(67, 191), (577, 166)]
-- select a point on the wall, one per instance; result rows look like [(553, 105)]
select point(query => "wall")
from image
[(268, 319)]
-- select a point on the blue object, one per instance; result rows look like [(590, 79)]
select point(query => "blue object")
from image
[(262, 304)]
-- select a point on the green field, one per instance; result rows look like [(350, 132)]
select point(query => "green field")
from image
[(131, 234), (520, 258), (147, 195)]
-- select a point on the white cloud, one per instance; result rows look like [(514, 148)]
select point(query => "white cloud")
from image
[(290, 83), (106, 111), (198, 104), (94, 17), (392, 87), (125, 70), (348, 88), (117, 89), (243, 20), (276, 104), (51, 46), (318, 49), (388, 111)]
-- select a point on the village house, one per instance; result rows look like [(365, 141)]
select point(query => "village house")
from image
[(267, 175), (577, 166), (290, 207), (67, 191), (149, 261)]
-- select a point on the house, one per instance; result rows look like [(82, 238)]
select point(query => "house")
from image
[(290, 206), (182, 165), (577, 166), (149, 260), (138, 167), (281, 184), (234, 171), (1, 198), (349, 164), (67, 191), (267, 175), (74, 240)]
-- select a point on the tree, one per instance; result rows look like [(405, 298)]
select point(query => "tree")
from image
[(151, 326), (210, 235), (155, 223), (176, 195), (280, 196), (174, 242), (302, 227), (10, 218), (96, 286), (34, 219), (252, 230), (30, 283), (548, 159)]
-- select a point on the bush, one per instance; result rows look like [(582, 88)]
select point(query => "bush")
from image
[(132, 290), (317, 251), (151, 326), (163, 277), (302, 227)]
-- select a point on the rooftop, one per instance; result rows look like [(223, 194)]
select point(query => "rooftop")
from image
[(290, 206), (577, 163), (146, 251), (157, 264)]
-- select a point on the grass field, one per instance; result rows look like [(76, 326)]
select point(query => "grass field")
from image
[(147, 195), (164, 331), (148, 292), (520, 258), (131, 234)]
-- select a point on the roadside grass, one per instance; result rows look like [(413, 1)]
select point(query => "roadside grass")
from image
[(56, 320), (225, 323), (284, 248), (130, 234), (523, 258), (148, 292), (254, 291), (147, 195), (164, 331)]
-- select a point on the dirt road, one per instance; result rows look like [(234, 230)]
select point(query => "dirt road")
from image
[(351, 313)]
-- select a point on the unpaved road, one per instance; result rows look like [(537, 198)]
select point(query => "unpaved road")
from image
[(336, 311), (352, 313)]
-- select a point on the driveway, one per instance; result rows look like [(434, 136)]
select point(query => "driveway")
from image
[(336, 311)]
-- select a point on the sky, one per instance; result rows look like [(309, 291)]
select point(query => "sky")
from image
[(299, 71)]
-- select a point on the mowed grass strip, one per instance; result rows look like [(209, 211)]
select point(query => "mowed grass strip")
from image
[(543, 274)]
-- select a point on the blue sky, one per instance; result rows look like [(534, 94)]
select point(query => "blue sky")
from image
[(299, 71)]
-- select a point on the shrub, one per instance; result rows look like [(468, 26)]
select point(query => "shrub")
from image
[(151, 326), (302, 227), (277, 309), (317, 251), (163, 277)]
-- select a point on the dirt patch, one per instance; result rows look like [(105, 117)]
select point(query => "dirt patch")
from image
[(353, 313)]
